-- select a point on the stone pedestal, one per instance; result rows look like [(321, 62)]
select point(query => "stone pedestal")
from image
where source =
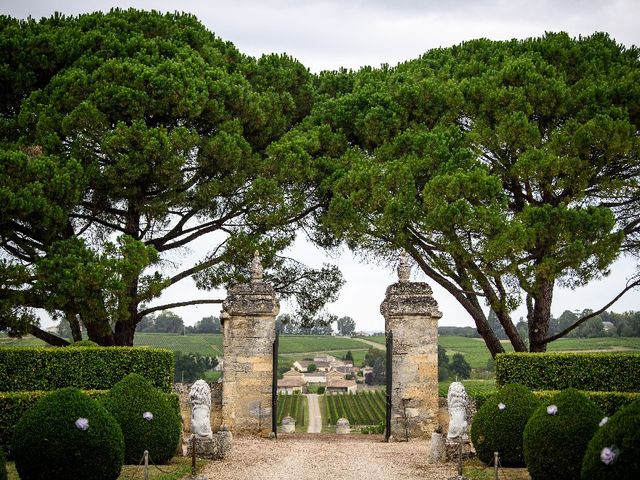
[(437, 448), (248, 319), (412, 314), (214, 447), (288, 425), (342, 426), (452, 449)]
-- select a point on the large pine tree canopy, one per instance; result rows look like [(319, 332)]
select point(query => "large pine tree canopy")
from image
[(502, 168)]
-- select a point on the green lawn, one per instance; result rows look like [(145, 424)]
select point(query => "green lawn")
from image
[(476, 353), (177, 468), (294, 347), (381, 339), (316, 343), (204, 344)]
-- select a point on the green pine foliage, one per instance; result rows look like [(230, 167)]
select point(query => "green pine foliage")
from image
[(128, 401), (499, 423), (555, 444), (3, 467), (49, 445), (621, 435)]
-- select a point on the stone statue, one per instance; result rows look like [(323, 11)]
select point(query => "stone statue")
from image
[(256, 268), (404, 269), (457, 402), (200, 397)]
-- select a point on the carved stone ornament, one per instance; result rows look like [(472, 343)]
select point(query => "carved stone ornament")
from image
[(256, 268), (404, 269)]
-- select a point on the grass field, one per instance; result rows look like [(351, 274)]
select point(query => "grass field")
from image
[(177, 468), (293, 347)]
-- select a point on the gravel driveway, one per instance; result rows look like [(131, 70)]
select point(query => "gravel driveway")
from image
[(303, 456)]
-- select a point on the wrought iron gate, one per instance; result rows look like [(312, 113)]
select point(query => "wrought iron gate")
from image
[(389, 378), (274, 387)]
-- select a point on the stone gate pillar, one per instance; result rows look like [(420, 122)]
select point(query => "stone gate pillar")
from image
[(249, 329), (412, 314)]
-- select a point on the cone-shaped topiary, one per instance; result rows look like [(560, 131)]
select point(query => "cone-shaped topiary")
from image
[(148, 420), (556, 436), (68, 435), (3, 467), (614, 450), (500, 422)]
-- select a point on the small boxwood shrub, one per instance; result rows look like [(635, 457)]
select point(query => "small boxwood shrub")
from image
[(558, 371), (3, 467), (621, 435), (555, 442), (131, 401), (51, 443), (499, 423), (14, 404), (87, 368)]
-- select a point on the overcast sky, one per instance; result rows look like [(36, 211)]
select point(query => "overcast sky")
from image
[(328, 34)]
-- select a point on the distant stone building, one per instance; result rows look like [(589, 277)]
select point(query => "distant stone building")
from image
[(315, 377), (336, 383), (292, 381)]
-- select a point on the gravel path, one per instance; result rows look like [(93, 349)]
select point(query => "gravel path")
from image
[(315, 418), (321, 457)]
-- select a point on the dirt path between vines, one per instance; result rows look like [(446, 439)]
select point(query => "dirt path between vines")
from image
[(377, 345), (315, 417), (321, 457)]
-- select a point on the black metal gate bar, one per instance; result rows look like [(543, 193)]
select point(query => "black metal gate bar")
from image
[(389, 373), (274, 387)]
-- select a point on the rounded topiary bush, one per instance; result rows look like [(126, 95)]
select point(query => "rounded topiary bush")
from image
[(614, 450), (556, 436), (3, 467), (68, 435), (500, 422), (148, 420)]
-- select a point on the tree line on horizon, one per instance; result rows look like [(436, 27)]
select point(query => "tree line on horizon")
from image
[(503, 169)]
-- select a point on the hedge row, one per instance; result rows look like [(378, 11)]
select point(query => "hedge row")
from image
[(609, 402), (86, 368), (14, 404), (605, 372)]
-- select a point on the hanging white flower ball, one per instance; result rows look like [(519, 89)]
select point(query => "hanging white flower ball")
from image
[(608, 455), (501, 406), (82, 424), (552, 409), (148, 416)]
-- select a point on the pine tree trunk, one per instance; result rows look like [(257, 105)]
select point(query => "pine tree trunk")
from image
[(540, 316)]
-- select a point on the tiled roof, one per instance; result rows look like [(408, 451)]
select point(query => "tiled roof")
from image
[(290, 382)]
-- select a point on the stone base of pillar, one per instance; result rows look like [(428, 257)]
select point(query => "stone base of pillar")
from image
[(452, 450), (437, 453), (214, 448)]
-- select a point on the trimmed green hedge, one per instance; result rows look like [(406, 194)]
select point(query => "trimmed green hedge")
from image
[(14, 404), (606, 372), (609, 402), (87, 368)]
